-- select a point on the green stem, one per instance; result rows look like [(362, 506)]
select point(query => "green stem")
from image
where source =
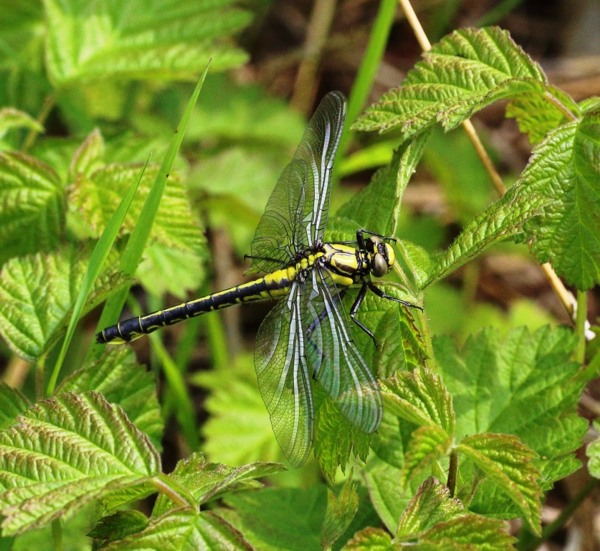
[(452, 472), (178, 496), (57, 535), (32, 134), (580, 325), (558, 104)]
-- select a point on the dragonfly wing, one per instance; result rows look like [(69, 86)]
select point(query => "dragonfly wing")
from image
[(336, 361), (284, 378), (296, 213)]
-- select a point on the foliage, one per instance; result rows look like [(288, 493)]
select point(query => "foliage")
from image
[(472, 434)]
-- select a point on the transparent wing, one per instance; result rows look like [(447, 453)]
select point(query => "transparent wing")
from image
[(284, 376), (297, 210), (336, 362), (305, 337)]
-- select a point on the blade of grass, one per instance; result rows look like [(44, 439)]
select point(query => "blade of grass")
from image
[(370, 63), (97, 260), (137, 241)]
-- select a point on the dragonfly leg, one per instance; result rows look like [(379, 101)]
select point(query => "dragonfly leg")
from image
[(383, 294), (360, 237), (359, 299)]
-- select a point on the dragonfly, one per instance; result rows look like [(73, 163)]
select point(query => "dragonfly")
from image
[(306, 338)]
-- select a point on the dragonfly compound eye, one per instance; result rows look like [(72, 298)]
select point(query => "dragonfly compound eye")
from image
[(380, 265)]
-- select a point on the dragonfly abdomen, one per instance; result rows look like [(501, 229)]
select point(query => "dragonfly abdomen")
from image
[(272, 285)]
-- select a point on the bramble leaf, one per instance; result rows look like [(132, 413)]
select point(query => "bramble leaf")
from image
[(433, 520), (339, 513), (420, 397), (523, 384), (593, 452), (370, 538), (565, 168), (32, 209), (506, 461), (97, 191), (143, 41), (427, 445), (236, 408), (554, 206), (286, 518), (466, 71), (123, 382), (13, 404), (14, 118), (536, 117), (206, 481), (399, 344), (37, 294), (182, 530), (505, 218), (336, 439), (65, 452)]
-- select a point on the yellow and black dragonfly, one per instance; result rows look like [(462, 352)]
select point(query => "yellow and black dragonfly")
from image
[(306, 338)]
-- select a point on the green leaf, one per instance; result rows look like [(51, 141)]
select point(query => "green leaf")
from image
[(339, 513), (377, 207), (427, 445), (13, 404), (119, 525), (64, 453), (466, 71), (124, 382), (384, 470), (555, 206), (507, 462), (36, 296), (32, 209), (273, 519), (420, 397), (593, 452), (503, 219), (97, 195), (337, 439), (565, 168), (399, 344), (169, 270), (13, 118), (102, 40), (183, 530), (371, 539), (522, 384), (435, 521), (536, 117), (238, 430), (207, 481), (431, 505)]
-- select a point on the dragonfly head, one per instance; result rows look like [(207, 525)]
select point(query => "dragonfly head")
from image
[(382, 256)]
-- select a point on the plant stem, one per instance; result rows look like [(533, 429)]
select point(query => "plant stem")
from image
[(41, 118), (452, 472), (559, 105), (168, 490), (580, 325)]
